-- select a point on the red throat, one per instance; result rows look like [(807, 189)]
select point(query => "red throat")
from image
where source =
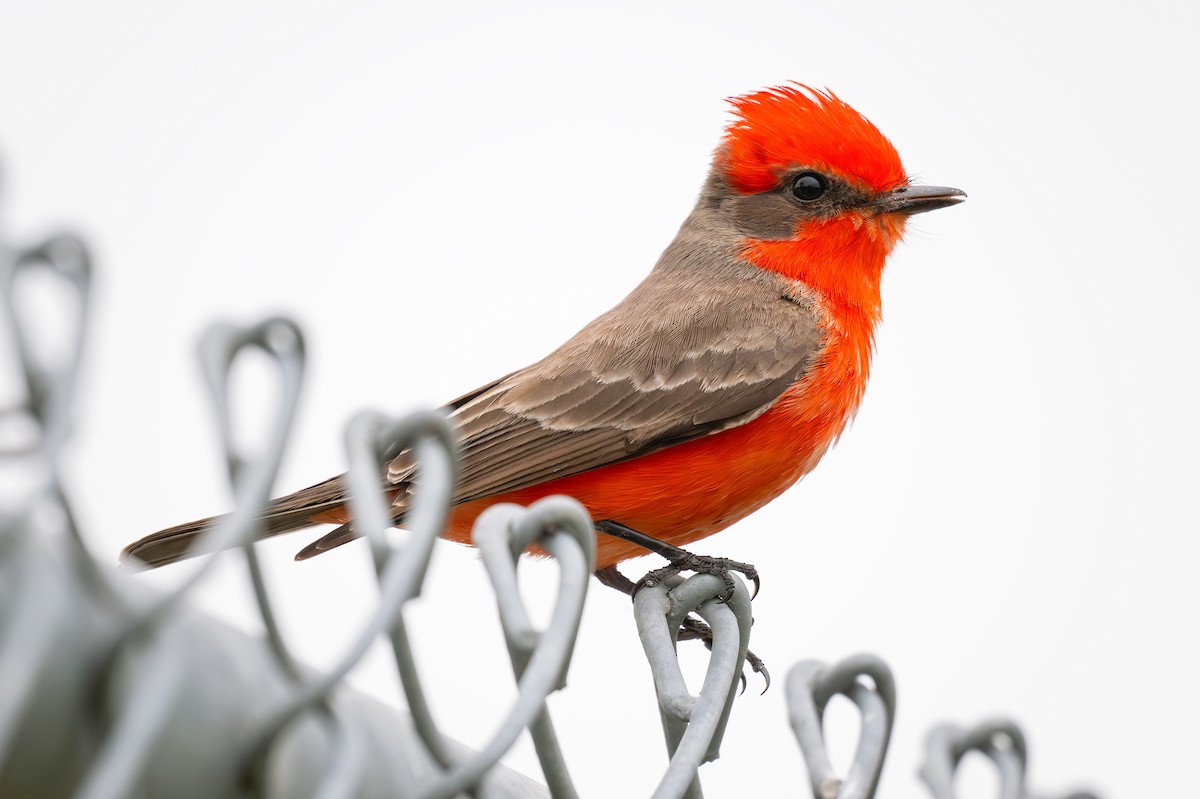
[(840, 259)]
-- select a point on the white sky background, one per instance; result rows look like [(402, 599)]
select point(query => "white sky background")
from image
[(441, 195)]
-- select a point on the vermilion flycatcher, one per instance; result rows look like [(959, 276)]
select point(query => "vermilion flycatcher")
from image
[(718, 382)]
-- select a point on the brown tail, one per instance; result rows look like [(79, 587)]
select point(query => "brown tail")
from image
[(284, 515)]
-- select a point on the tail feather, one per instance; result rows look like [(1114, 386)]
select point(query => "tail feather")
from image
[(334, 538), (177, 543), (284, 515)]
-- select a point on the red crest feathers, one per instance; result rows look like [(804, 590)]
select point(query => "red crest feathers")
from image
[(788, 126)]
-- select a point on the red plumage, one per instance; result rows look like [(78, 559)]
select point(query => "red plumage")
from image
[(796, 125)]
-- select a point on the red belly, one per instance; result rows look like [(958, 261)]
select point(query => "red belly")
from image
[(693, 490)]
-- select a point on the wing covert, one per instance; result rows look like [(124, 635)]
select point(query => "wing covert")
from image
[(669, 364)]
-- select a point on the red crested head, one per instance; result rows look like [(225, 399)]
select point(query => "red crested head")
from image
[(778, 129)]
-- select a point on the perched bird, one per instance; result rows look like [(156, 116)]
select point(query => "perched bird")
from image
[(717, 383)]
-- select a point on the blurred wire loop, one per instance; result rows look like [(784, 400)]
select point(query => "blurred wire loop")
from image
[(1001, 740), (32, 313), (867, 681)]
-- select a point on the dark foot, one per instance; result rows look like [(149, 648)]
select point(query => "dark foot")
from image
[(680, 559), (692, 629), (703, 564)]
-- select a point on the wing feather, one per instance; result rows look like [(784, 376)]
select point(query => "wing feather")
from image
[(666, 365)]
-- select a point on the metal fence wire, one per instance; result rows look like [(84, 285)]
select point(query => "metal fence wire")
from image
[(111, 689)]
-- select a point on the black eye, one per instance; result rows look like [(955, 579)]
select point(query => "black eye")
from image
[(808, 186)]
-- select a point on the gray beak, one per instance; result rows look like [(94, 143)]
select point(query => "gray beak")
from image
[(917, 199)]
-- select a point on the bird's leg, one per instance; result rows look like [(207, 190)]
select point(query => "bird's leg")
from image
[(679, 559)]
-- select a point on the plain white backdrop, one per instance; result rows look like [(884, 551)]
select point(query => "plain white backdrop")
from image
[(443, 193)]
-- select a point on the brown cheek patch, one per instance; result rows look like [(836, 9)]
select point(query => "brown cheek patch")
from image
[(764, 216)]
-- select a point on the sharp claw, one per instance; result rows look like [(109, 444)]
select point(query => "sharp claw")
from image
[(757, 585), (743, 681), (759, 667)]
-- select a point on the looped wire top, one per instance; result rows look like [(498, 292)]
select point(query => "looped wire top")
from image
[(401, 569), (1000, 739), (810, 685), (693, 724), (49, 377)]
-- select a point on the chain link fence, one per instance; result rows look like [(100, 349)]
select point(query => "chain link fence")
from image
[(111, 689)]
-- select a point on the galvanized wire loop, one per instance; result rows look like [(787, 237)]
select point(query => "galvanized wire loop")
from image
[(693, 724), (251, 482), (282, 340), (251, 479), (1000, 740), (49, 382), (401, 570), (540, 659), (810, 685), (371, 441), (49, 386)]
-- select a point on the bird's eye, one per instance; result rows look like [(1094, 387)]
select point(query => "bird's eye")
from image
[(808, 186)]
